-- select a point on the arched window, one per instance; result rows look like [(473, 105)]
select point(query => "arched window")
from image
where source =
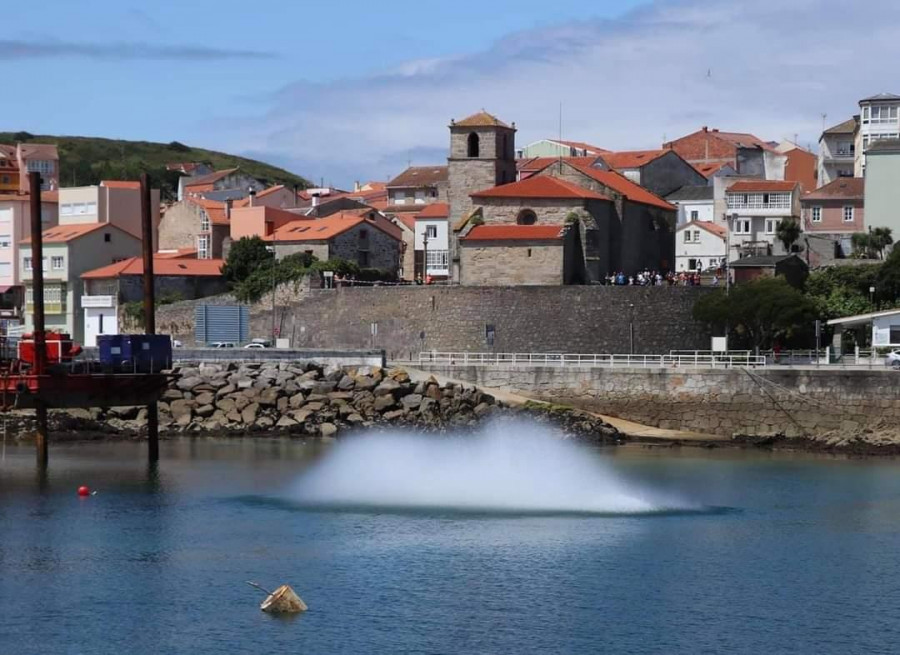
[(526, 217), (473, 145)]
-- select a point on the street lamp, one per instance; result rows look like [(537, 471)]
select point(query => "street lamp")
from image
[(425, 256), (872, 294), (631, 326), (271, 249)]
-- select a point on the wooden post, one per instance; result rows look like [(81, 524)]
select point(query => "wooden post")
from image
[(149, 308), (37, 296)]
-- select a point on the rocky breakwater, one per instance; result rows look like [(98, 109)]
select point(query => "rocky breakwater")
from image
[(304, 399)]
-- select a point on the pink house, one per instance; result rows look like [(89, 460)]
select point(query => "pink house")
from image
[(836, 208), (259, 220)]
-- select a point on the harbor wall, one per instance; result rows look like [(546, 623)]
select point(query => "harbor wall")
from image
[(760, 402)]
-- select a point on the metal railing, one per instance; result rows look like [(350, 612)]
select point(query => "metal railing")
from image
[(695, 360)]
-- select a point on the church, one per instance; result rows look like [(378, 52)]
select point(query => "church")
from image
[(571, 222)]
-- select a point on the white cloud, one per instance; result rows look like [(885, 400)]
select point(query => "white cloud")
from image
[(771, 67)]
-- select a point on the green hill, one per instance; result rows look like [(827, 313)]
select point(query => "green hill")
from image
[(87, 160)]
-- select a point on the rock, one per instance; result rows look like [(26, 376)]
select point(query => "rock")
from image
[(433, 391), (398, 375), (324, 386), (482, 409), (387, 386), (354, 418), (345, 410), (314, 406), (189, 383), (297, 401), (205, 411), (172, 394), (282, 404), (365, 383), (310, 375), (286, 422), (80, 414), (212, 425), (412, 401), (318, 398), (248, 415), (181, 408), (300, 415), (124, 413), (384, 402), (394, 415), (340, 395), (234, 417), (327, 430), (346, 383), (264, 423), (205, 398), (268, 398), (243, 383), (226, 390), (240, 401), (226, 404)]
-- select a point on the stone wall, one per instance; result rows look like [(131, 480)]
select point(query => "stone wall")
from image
[(185, 287), (383, 250), (489, 263), (724, 402)]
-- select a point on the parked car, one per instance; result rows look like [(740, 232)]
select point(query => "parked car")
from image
[(255, 346), (893, 359), (222, 344)]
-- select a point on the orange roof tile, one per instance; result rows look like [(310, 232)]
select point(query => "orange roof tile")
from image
[(180, 253), (323, 229), (65, 233), (743, 186), (120, 184), (708, 170), (215, 209), (435, 210), (514, 233), (842, 188), (540, 187), (631, 158), (718, 230), (161, 266), (208, 179), (621, 184), (481, 119), (419, 176), (408, 221), (245, 202), (46, 196)]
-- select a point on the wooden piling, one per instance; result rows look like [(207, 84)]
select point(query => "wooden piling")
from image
[(149, 307), (37, 295)]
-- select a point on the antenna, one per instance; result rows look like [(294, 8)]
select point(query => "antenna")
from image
[(560, 148), (824, 116)]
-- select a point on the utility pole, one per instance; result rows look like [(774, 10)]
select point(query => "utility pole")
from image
[(149, 309), (631, 327), (37, 297), (425, 256)]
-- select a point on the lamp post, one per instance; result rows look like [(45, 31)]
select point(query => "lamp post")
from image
[(631, 327), (872, 294), (271, 249), (425, 256)]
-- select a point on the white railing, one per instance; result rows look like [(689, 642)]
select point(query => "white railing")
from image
[(695, 360)]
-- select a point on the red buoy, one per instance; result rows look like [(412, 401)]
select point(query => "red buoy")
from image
[(84, 491)]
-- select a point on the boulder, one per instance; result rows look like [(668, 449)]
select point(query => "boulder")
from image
[(205, 411), (285, 422), (297, 400), (300, 415), (327, 430), (384, 402), (433, 391), (243, 383), (314, 406), (240, 401), (264, 423), (482, 409), (124, 413), (412, 401), (346, 383), (323, 387), (248, 415), (386, 387), (354, 419), (340, 395), (398, 375), (226, 390), (268, 398), (189, 383), (172, 394), (181, 408), (226, 404), (394, 415), (282, 404), (235, 417), (365, 383), (205, 398)]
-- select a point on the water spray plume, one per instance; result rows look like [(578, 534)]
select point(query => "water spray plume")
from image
[(509, 466)]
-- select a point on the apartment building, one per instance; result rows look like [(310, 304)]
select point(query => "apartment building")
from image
[(69, 251), (879, 119), (754, 210), (114, 202), (837, 151)]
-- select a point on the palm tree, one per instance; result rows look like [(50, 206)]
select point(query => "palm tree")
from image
[(879, 239), (862, 245), (788, 231)]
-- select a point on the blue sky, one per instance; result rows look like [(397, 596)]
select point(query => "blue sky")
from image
[(352, 90)]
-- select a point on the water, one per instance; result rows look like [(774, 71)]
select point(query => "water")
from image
[(695, 552)]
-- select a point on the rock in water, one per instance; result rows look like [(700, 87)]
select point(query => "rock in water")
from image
[(283, 600)]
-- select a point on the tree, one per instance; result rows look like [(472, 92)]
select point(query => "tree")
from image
[(879, 239), (788, 231), (843, 290), (871, 244), (762, 310), (247, 255), (887, 282)]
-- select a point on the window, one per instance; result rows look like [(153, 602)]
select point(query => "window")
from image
[(203, 247), (695, 215), (67, 209), (5, 241), (489, 334), (526, 217), (420, 197), (363, 235), (399, 197), (42, 166), (56, 263), (772, 225), (696, 236), (687, 236), (204, 222), (692, 264), (107, 237), (28, 264), (362, 258), (5, 269), (438, 259), (848, 214), (742, 226), (472, 145), (90, 208), (895, 334), (431, 231), (816, 214)]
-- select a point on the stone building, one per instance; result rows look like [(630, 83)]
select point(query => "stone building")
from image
[(514, 255), (660, 171), (417, 186), (196, 223), (366, 238), (746, 153), (232, 180)]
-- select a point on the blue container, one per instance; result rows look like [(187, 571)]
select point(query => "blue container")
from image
[(135, 353)]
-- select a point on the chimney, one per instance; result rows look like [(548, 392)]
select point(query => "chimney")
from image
[(705, 128), (252, 196), (228, 202), (314, 199), (296, 194), (356, 186)]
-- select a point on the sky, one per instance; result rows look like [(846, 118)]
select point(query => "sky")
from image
[(344, 90)]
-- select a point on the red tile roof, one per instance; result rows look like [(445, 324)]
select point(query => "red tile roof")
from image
[(540, 187), (323, 229), (120, 184), (65, 233), (416, 176), (631, 158), (718, 230), (208, 179), (161, 266), (435, 210), (621, 184), (744, 186), (245, 202), (514, 233), (180, 253), (215, 209), (481, 119), (407, 220), (852, 188), (708, 170)]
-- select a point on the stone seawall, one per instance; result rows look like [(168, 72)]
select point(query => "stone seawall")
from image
[(757, 402)]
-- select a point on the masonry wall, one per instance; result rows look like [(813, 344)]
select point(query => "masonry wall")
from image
[(180, 226), (489, 263), (186, 287), (383, 249), (665, 174), (722, 402)]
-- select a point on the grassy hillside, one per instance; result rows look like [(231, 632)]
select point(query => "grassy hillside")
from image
[(87, 160)]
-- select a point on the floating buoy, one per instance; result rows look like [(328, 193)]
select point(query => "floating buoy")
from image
[(84, 491), (283, 600)]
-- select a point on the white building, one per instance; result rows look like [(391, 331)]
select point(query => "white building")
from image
[(695, 203), (879, 118), (884, 327), (432, 225), (837, 151), (754, 208), (69, 251), (700, 246)]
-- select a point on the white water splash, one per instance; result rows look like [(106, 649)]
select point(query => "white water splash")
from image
[(508, 466)]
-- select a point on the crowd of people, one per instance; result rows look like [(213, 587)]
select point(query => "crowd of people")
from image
[(648, 278)]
